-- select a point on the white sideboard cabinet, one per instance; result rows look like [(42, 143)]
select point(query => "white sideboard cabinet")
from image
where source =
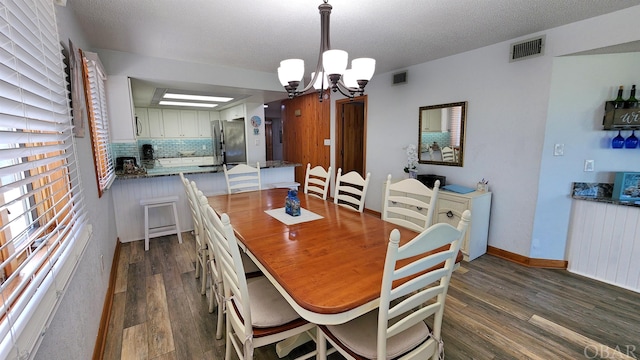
[(449, 210)]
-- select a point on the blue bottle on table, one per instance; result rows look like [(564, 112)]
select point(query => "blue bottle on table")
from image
[(292, 203)]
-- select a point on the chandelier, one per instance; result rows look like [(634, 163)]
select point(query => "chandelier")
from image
[(331, 70)]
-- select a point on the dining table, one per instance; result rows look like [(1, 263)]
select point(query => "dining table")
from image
[(327, 262)]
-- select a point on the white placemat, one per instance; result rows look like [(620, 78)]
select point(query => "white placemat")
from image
[(282, 216)]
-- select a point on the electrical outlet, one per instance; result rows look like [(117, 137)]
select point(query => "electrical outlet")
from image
[(589, 165), (257, 142), (558, 150)]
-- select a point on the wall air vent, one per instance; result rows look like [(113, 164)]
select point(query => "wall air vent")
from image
[(400, 78), (527, 49)]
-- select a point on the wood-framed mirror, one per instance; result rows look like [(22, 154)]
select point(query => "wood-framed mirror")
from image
[(441, 131)]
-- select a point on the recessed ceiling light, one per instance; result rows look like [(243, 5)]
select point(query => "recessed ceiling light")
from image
[(180, 103), (196, 97)]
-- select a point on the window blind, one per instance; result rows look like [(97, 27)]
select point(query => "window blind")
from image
[(455, 119), (94, 84), (42, 216)]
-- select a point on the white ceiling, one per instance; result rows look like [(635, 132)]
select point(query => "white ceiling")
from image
[(257, 35)]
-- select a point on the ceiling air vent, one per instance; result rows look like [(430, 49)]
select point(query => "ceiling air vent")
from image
[(527, 49), (400, 78)]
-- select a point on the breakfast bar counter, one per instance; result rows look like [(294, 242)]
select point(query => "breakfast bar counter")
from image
[(129, 189), (603, 241)]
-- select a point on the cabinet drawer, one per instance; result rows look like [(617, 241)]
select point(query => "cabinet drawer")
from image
[(170, 162)]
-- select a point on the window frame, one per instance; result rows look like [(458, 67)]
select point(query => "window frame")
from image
[(94, 79), (41, 161)]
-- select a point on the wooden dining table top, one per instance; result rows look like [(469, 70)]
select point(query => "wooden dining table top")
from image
[(329, 269)]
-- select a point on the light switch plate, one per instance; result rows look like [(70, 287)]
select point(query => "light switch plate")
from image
[(558, 150), (588, 165), (327, 142)]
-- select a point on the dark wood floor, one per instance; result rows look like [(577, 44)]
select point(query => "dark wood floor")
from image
[(495, 310)]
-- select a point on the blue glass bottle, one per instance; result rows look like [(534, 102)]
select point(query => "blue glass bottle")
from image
[(632, 141), (618, 141), (292, 203)]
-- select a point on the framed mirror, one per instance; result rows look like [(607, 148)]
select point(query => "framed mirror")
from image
[(441, 134)]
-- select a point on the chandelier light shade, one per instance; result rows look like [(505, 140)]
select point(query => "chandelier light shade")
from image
[(331, 70)]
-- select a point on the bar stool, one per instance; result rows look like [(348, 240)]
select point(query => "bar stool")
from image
[(164, 229)]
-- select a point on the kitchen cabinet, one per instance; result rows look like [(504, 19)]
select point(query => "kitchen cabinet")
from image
[(142, 122), (188, 123), (156, 126), (171, 123), (180, 123), (120, 109), (449, 209), (186, 161), (235, 112), (432, 121), (204, 123)]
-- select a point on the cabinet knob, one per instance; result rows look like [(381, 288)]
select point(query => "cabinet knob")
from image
[(449, 214)]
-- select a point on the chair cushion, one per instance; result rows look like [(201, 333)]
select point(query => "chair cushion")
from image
[(268, 307), (360, 336)]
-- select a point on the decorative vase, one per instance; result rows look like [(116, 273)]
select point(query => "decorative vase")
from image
[(413, 174), (292, 203), (632, 141), (618, 141)]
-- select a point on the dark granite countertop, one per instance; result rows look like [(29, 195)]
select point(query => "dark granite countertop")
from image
[(175, 170), (598, 192)]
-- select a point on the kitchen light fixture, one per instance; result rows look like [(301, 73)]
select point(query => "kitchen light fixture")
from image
[(181, 103), (331, 70), (196, 97)]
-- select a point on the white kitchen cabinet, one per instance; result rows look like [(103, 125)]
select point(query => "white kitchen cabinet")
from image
[(120, 109), (235, 112), (189, 123), (449, 210), (142, 122), (204, 123), (156, 126), (186, 161), (171, 121)]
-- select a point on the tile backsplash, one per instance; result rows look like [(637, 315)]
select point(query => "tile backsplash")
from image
[(164, 148), (442, 138)]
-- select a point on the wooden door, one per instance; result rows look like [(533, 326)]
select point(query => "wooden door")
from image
[(351, 135), (305, 126), (268, 142)]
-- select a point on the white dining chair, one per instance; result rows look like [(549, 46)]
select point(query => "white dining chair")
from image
[(448, 154), (397, 329), (410, 203), (316, 181), (212, 227), (201, 245), (242, 177), (257, 314), (351, 190)]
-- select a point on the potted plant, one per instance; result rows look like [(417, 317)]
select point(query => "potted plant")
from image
[(412, 161)]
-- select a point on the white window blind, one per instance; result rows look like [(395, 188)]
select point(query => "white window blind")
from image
[(455, 120), (42, 226), (94, 84)]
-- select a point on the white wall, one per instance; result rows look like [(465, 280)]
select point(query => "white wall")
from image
[(576, 108), (73, 330), (506, 128)]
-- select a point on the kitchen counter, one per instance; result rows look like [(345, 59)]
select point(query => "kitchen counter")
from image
[(201, 169), (163, 181), (598, 192)]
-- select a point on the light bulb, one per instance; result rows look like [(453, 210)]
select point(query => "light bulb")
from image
[(335, 61)]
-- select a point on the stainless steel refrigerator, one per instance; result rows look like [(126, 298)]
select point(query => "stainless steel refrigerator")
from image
[(229, 143)]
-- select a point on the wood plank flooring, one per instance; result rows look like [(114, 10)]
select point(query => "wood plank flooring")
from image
[(495, 310)]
